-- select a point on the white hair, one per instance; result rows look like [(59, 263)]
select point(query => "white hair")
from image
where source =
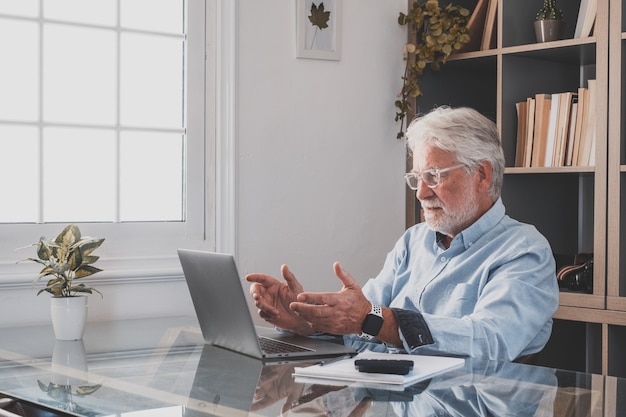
[(466, 133)]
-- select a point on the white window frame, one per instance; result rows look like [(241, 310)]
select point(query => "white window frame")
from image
[(139, 251)]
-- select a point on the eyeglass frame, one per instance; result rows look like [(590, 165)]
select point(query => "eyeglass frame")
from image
[(434, 171)]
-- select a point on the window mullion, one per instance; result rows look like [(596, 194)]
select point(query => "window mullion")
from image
[(40, 121), (118, 114)]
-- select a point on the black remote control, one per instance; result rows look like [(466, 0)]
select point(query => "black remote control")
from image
[(384, 366)]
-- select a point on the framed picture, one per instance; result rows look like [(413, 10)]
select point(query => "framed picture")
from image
[(318, 29)]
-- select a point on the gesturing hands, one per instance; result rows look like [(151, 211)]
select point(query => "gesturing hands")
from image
[(273, 299), (339, 312), (286, 305)]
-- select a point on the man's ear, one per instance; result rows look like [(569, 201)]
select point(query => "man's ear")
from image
[(485, 175)]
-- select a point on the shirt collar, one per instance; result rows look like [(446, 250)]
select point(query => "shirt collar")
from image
[(477, 229), (486, 222)]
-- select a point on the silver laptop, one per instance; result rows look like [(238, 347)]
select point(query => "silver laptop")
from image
[(224, 384), (220, 303)]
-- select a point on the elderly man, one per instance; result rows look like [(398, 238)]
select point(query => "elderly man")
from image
[(469, 281)]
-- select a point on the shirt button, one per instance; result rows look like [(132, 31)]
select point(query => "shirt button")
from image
[(443, 259)]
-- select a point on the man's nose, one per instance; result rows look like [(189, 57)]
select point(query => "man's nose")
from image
[(423, 191)]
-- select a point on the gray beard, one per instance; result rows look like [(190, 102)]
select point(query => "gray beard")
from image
[(451, 223)]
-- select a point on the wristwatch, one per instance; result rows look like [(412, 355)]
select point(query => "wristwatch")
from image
[(373, 323)]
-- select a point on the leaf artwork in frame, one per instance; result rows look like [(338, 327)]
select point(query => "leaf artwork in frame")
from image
[(318, 29)]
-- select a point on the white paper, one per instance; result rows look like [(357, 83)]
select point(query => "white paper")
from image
[(423, 367)]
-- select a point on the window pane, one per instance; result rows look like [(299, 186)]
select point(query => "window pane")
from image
[(19, 71), (79, 175), (19, 169), (22, 7), (79, 183), (101, 12), (151, 176), (151, 81), (79, 75), (165, 15)]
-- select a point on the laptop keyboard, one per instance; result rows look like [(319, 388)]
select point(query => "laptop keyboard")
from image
[(276, 346)]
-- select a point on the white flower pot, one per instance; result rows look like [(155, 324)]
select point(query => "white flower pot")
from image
[(69, 363), (69, 315)]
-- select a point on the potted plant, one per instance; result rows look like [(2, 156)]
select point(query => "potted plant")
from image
[(435, 32), (65, 260), (549, 22), (68, 377), (63, 396)]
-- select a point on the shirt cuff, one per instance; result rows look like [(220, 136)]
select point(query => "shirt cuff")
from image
[(413, 328)]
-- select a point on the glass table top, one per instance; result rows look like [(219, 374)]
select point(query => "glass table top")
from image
[(162, 368)]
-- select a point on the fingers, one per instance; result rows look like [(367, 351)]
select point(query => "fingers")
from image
[(290, 279), (286, 305), (330, 298), (266, 311), (344, 276), (262, 299), (338, 312), (262, 279), (317, 298)]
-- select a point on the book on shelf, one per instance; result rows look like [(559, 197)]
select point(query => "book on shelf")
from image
[(488, 40), (592, 153), (543, 103), (588, 132), (530, 128), (569, 151), (580, 123), (522, 123), (586, 18), (562, 128), (476, 25), (550, 142), (556, 130)]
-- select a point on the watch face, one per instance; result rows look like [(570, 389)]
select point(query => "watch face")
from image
[(372, 324)]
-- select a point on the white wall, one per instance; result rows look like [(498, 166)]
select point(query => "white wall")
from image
[(319, 169)]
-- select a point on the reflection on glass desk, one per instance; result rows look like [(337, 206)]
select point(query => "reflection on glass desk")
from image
[(162, 368)]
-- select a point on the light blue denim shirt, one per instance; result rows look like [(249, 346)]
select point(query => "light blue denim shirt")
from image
[(490, 295)]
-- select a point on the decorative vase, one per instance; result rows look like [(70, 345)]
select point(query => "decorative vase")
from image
[(69, 315), (549, 30), (69, 363)]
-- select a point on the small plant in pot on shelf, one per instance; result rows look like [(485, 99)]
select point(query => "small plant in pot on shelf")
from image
[(65, 260), (435, 32), (549, 22)]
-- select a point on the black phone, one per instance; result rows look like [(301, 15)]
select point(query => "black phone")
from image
[(384, 366)]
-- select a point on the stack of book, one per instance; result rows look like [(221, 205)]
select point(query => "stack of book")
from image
[(556, 130)]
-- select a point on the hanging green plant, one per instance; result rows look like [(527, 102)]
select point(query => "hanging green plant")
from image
[(435, 32)]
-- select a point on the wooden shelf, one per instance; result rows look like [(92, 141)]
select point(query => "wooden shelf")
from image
[(581, 208), (549, 170)]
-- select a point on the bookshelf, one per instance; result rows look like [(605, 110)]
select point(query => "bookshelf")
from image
[(578, 208), (616, 256)]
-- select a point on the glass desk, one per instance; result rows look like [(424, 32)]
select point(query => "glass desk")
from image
[(162, 368)]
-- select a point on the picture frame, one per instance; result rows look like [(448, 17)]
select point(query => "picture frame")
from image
[(318, 27)]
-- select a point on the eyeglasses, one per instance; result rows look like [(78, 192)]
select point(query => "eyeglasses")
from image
[(431, 177)]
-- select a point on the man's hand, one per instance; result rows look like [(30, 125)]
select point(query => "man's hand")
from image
[(275, 384), (273, 298), (339, 312)]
